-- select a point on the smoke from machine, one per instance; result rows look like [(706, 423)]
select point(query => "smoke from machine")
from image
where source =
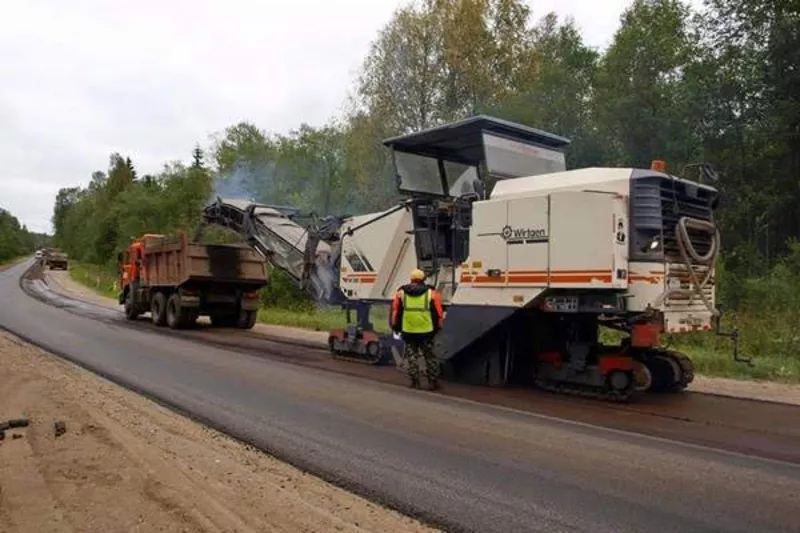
[(323, 279), (247, 181)]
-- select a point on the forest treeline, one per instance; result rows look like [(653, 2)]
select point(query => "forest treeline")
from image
[(16, 240), (720, 85)]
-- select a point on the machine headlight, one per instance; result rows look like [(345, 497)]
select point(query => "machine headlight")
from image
[(653, 245)]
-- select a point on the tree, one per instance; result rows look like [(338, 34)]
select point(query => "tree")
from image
[(197, 157), (641, 97), (439, 60), (751, 94), (15, 239), (402, 76), (557, 92)]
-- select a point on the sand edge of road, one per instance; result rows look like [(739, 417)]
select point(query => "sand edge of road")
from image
[(125, 463)]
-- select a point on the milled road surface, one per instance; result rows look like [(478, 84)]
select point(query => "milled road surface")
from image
[(463, 465)]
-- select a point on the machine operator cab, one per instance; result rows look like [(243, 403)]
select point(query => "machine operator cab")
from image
[(444, 169)]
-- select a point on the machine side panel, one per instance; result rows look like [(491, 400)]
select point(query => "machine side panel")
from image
[(583, 247), (647, 284), (483, 277), (527, 240), (370, 253), (399, 259)]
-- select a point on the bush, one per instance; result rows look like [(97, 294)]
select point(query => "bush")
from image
[(283, 293)]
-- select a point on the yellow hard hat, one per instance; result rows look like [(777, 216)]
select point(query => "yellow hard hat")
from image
[(417, 275)]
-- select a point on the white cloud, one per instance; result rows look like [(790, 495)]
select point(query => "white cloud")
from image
[(81, 79)]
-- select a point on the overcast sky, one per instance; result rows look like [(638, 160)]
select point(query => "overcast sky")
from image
[(81, 79)]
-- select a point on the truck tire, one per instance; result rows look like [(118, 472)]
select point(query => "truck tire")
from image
[(130, 309), (247, 319), (177, 316), (158, 308)]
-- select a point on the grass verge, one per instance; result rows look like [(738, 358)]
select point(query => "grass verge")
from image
[(8, 263), (320, 319), (713, 356), (97, 278)]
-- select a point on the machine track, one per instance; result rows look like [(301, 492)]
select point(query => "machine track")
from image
[(365, 357), (585, 391), (682, 373), (687, 367)]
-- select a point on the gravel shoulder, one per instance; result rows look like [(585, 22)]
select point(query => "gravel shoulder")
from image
[(756, 390), (128, 464)]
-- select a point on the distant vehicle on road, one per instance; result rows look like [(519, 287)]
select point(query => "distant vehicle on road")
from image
[(55, 259)]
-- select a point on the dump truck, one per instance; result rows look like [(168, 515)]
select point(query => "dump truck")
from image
[(55, 259), (177, 281)]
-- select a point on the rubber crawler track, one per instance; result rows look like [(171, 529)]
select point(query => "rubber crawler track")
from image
[(605, 394)]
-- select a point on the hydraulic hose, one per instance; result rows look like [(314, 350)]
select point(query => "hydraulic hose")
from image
[(691, 257)]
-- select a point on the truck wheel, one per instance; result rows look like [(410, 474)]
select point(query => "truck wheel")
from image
[(176, 315), (247, 319), (158, 306), (130, 310)]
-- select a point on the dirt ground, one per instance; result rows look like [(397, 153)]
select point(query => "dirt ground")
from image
[(127, 464), (758, 390)]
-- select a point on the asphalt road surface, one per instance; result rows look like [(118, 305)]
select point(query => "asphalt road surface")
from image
[(462, 465)]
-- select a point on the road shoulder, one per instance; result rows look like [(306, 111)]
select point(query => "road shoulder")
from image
[(125, 463)]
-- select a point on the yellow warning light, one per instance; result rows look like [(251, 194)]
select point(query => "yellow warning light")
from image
[(659, 165)]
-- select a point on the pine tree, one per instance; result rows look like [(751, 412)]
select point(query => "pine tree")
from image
[(197, 157)]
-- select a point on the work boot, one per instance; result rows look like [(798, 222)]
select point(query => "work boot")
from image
[(414, 383)]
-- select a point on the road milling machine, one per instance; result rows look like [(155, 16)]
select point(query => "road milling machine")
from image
[(531, 260)]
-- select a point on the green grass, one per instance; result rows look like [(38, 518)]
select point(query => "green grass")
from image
[(11, 262), (97, 278), (316, 319), (713, 355), (771, 344), (320, 319)]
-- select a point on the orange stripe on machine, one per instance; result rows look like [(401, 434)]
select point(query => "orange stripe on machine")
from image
[(361, 277), (540, 276)]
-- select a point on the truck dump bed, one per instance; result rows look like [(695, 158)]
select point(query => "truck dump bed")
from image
[(174, 261)]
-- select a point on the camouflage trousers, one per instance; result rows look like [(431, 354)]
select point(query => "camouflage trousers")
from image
[(417, 350)]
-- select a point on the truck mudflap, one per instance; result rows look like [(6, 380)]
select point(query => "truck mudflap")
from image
[(251, 301)]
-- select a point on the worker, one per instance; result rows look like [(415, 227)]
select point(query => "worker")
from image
[(417, 315)]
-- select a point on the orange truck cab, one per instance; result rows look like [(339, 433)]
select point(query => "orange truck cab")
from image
[(130, 263)]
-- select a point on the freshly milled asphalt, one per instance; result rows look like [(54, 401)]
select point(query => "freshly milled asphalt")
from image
[(465, 466)]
